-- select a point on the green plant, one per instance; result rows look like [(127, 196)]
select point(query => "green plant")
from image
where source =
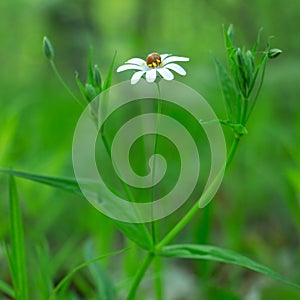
[(241, 83)]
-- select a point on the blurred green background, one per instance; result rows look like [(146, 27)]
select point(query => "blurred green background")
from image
[(257, 210)]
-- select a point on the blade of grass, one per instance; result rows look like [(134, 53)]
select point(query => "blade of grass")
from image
[(7, 289), (65, 279), (90, 67), (17, 243), (104, 284), (134, 231), (230, 95), (213, 253), (107, 82)]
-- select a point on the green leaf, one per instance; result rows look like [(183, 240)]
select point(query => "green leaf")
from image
[(80, 86), (17, 256), (97, 78), (44, 276), (136, 232), (256, 45), (228, 36), (68, 277), (6, 289), (90, 68), (107, 82), (213, 253), (103, 282), (68, 184), (231, 97)]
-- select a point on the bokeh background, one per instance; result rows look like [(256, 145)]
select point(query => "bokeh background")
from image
[(257, 210)]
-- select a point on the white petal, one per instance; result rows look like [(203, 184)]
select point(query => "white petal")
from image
[(178, 69), (165, 73), (151, 75), (129, 67), (164, 56), (137, 76), (174, 58), (136, 61)]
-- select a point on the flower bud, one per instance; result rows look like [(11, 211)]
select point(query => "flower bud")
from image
[(48, 49), (273, 53), (251, 59), (97, 76), (240, 58), (90, 92), (230, 33)]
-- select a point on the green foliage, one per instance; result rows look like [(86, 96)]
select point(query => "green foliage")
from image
[(68, 277), (257, 210), (134, 231), (16, 253), (104, 285), (242, 80), (6, 289), (213, 253), (48, 49)]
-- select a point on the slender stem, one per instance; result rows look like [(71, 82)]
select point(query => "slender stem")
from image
[(139, 275), (232, 151), (245, 109), (157, 266), (154, 159), (63, 82), (157, 263), (178, 227), (181, 224)]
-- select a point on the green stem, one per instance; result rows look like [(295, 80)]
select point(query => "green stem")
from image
[(154, 159), (157, 264), (181, 224), (63, 83), (245, 110), (139, 275), (178, 227)]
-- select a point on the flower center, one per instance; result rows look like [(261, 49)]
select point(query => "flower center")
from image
[(153, 60)]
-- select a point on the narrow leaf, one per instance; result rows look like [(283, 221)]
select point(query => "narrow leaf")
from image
[(256, 45), (134, 231), (80, 86), (231, 97), (107, 82), (102, 280), (213, 253), (66, 279), (68, 184), (17, 243), (6, 289), (90, 68), (228, 36)]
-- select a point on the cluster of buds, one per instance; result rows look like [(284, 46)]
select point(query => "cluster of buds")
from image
[(242, 80)]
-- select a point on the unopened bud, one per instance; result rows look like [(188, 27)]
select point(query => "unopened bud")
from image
[(240, 58), (230, 33), (48, 49), (273, 53), (90, 92), (251, 59), (97, 77)]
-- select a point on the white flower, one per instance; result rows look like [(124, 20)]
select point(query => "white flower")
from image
[(154, 63)]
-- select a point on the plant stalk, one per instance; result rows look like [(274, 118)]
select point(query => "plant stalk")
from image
[(178, 227), (139, 275)]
